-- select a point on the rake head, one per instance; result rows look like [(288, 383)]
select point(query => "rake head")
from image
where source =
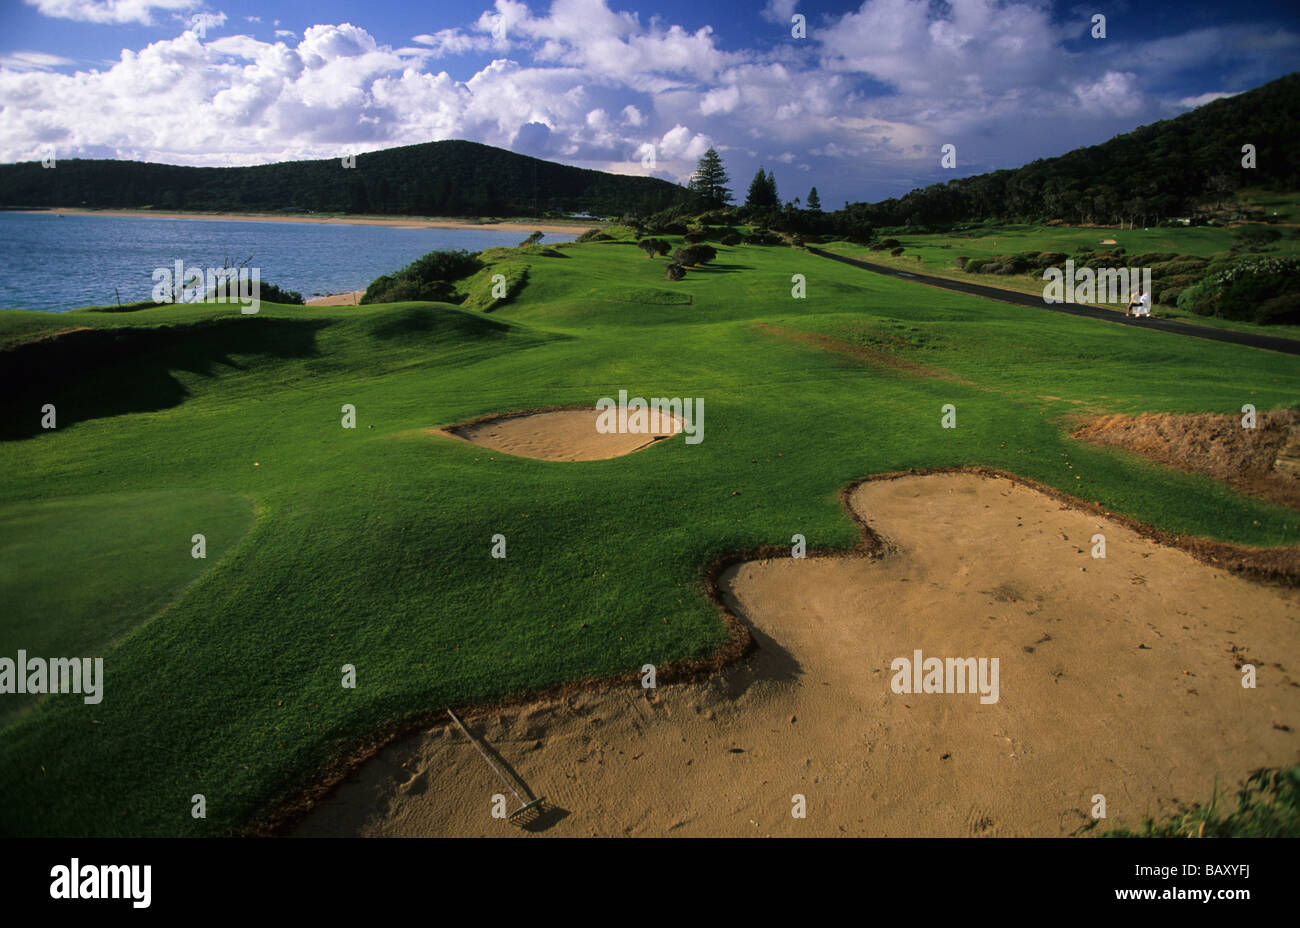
[(527, 814)]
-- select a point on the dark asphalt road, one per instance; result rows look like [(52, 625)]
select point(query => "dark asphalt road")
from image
[(1251, 339)]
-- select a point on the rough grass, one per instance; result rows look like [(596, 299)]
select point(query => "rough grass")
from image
[(1267, 806), (1215, 444)]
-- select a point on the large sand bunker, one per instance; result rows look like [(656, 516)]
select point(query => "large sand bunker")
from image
[(558, 435), (1118, 676)]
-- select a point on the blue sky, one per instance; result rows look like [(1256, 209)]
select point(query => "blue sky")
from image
[(860, 107)]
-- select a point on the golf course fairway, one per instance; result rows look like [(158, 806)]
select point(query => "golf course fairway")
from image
[(372, 547)]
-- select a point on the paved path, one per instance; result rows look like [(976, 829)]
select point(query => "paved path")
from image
[(1252, 339)]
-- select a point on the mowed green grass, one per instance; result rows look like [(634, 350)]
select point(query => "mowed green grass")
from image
[(80, 572), (371, 546)]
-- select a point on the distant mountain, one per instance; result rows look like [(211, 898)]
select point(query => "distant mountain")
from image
[(450, 178), (1156, 172)]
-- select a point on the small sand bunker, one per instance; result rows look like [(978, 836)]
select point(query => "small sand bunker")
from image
[(558, 435), (1264, 461), (1119, 676)]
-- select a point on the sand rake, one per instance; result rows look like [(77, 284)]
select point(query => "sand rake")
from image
[(528, 812)]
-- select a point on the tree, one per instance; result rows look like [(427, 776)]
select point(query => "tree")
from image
[(710, 181), (814, 201), (762, 192)]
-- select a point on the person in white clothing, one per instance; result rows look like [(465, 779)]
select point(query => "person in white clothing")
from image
[(1143, 307)]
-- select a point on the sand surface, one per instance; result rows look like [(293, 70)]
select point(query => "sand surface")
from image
[(556, 435), (352, 298), (550, 228), (1117, 676)]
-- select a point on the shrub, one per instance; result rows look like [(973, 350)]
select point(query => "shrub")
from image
[(694, 255), (273, 294), (960, 261), (1180, 265), (402, 290), (693, 238), (889, 243), (442, 265), (1011, 264), (672, 228), (731, 238), (427, 278), (991, 267), (1279, 310), (532, 239), (1047, 259), (975, 265), (1167, 295), (1256, 237), (1241, 290), (896, 251), (654, 246), (592, 235), (1151, 259), (674, 272)]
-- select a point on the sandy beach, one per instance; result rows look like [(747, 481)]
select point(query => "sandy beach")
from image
[(524, 226), (352, 298)]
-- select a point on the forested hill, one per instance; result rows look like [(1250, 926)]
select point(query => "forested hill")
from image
[(450, 178), (1156, 172)]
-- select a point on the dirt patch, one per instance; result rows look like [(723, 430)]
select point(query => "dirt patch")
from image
[(1213, 444), (1117, 676), (557, 435)]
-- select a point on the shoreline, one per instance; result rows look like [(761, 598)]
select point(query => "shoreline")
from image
[(550, 227)]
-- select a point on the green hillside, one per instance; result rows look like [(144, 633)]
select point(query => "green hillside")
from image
[(451, 178)]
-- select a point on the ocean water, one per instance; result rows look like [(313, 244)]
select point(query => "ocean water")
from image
[(56, 263)]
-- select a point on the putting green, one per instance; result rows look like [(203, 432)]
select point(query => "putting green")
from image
[(77, 574)]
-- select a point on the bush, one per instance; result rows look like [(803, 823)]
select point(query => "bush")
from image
[(1241, 290), (731, 238), (426, 278), (532, 239), (1048, 259), (1151, 259), (1011, 264), (1166, 296), (991, 267), (273, 294), (896, 251), (402, 290), (674, 272), (975, 265), (1168, 290), (654, 246), (694, 255), (672, 228), (592, 235), (889, 243), (693, 238), (960, 261), (1279, 310), (442, 265), (1256, 237), (1179, 266)]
